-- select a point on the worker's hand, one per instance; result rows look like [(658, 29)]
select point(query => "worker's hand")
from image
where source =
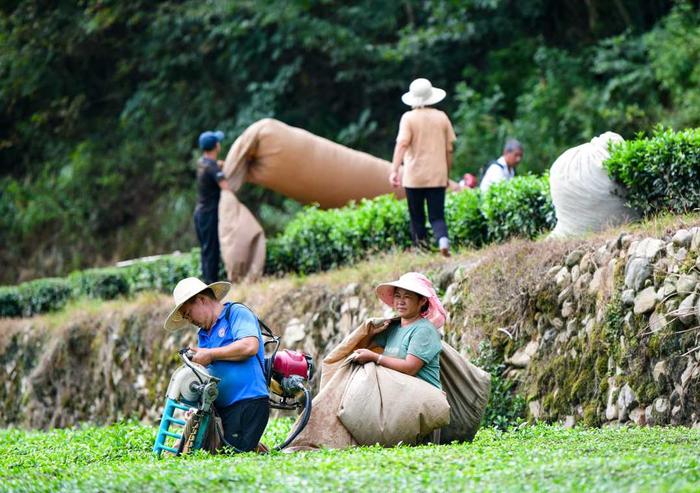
[(395, 179), (202, 356), (453, 186), (363, 356), (377, 329)]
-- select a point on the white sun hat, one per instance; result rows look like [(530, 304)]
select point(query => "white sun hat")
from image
[(186, 289), (419, 284), (409, 281), (422, 93)]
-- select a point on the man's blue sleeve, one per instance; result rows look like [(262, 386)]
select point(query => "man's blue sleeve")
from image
[(243, 323)]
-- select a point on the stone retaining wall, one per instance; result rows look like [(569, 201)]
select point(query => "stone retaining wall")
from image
[(605, 333)]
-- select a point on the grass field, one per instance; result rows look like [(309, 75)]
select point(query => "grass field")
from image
[(539, 458)]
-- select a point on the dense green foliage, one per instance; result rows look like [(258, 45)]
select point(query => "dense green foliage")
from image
[(540, 458), (660, 172), (45, 295), (505, 408), (518, 207), (101, 101), (103, 284), (314, 240), (30, 298), (318, 240)]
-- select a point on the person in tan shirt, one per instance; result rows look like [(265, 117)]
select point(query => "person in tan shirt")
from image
[(424, 146)]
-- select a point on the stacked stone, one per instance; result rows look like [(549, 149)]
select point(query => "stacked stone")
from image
[(661, 282), (657, 283)]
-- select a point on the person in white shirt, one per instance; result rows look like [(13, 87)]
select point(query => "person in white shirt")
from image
[(504, 167)]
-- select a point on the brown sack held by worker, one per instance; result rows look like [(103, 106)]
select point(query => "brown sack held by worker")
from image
[(466, 395), (384, 406), (304, 166), (468, 388), (241, 238), (324, 428), (299, 165)]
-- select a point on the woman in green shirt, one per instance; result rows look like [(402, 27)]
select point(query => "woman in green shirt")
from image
[(411, 343)]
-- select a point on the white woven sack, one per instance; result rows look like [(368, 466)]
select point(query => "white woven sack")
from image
[(585, 198)]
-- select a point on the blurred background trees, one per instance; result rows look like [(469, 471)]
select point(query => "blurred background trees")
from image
[(101, 102)]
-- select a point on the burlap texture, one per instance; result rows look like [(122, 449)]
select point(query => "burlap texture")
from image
[(299, 165), (466, 387)]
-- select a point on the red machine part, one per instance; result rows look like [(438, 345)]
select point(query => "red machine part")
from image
[(288, 363)]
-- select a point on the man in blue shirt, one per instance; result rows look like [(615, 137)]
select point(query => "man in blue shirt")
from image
[(231, 347)]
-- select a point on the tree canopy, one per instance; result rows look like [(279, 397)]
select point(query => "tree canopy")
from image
[(101, 102)]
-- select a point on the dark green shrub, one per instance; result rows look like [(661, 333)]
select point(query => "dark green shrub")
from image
[(505, 407), (164, 273), (465, 222), (384, 223), (312, 241), (318, 240), (518, 207), (661, 172), (44, 295), (105, 284), (10, 302)]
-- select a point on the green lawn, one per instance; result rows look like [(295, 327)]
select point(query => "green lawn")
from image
[(540, 458)]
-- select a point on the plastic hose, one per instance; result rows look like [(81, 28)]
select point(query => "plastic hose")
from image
[(302, 424)]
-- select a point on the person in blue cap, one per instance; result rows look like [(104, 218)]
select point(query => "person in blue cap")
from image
[(210, 182)]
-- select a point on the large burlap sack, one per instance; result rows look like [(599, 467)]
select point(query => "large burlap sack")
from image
[(304, 166), (585, 198), (467, 387), (299, 165), (324, 428), (388, 407), (241, 238)]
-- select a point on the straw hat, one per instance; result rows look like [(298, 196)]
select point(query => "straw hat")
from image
[(422, 93), (421, 285), (408, 281), (186, 289)]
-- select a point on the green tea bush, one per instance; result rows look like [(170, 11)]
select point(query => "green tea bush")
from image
[(518, 207), (465, 221), (318, 240), (44, 295), (10, 302), (105, 284), (164, 273), (118, 458), (661, 172)]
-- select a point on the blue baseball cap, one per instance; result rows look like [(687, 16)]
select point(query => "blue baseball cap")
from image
[(209, 139)]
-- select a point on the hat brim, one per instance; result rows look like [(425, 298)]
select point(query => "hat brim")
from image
[(436, 95), (176, 321), (385, 291)]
